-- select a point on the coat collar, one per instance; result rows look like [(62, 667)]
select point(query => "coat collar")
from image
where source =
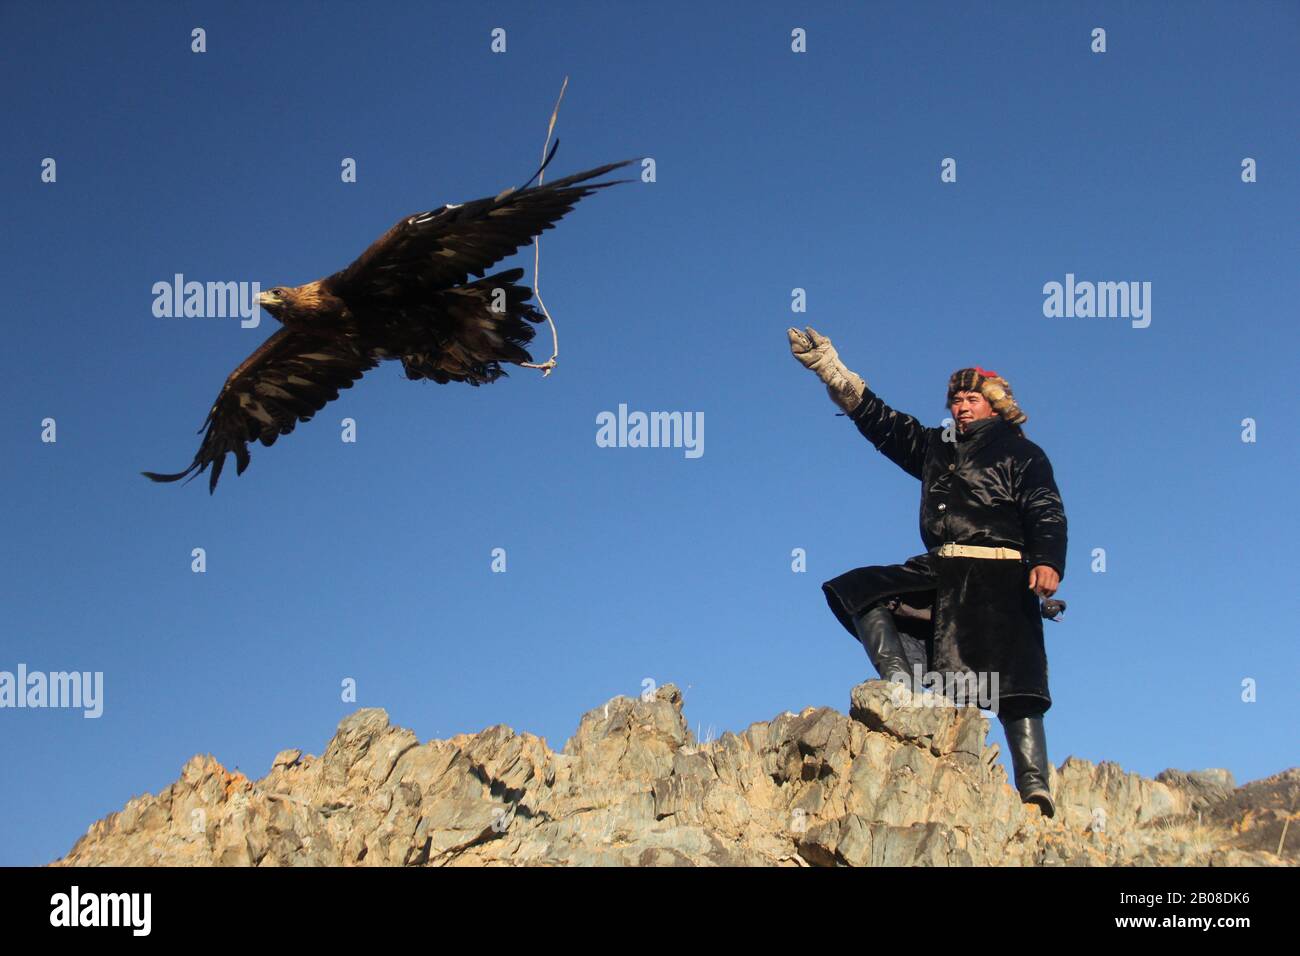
[(981, 433)]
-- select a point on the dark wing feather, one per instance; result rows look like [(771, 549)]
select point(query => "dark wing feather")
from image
[(443, 247), (290, 377)]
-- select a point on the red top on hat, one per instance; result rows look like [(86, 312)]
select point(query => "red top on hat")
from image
[(985, 372)]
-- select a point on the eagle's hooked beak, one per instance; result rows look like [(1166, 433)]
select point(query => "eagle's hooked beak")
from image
[(265, 299)]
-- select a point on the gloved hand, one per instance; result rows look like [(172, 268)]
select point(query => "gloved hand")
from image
[(816, 352)]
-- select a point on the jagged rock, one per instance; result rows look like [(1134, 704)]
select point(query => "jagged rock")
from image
[(900, 781), (286, 758), (1204, 788)]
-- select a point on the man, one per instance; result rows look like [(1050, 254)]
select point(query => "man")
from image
[(995, 532)]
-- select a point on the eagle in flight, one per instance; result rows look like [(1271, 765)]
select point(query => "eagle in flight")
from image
[(409, 298)]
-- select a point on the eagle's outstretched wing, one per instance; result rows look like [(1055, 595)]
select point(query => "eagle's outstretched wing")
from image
[(290, 377), (443, 247)]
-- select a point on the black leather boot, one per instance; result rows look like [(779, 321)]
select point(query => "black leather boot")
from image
[(879, 635), (1028, 744)]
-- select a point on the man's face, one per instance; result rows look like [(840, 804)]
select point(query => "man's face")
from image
[(970, 407)]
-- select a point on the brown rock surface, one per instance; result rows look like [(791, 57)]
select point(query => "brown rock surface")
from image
[(887, 785)]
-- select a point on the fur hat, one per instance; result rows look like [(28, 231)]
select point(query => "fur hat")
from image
[(994, 388)]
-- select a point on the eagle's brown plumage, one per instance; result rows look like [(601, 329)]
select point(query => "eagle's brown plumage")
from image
[(408, 297)]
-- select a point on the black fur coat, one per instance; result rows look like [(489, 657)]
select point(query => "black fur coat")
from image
[(988, 486)]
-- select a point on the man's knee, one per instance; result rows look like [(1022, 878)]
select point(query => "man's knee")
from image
[(1015, 708), (886, 602)]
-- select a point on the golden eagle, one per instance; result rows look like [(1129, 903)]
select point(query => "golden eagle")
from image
[(408, 298)]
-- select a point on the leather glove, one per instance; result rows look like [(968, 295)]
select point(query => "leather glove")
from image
[(815, 352)]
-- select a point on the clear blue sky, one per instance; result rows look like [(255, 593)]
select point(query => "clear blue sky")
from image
[(775, 171)]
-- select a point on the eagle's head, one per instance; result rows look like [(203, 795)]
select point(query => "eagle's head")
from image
[(304, 305), (277, 301)]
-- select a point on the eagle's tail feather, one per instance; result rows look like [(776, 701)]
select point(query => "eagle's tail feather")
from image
[(155, 476), (489, 323)]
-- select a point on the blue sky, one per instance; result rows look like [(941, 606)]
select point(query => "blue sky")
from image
[(775, 171)]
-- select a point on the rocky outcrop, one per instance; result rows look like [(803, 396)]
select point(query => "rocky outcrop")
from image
[(886, 785)]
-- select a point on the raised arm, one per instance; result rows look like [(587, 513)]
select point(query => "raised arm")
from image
[(901, 438), (815, 353), (898, 436), (1042, 513)]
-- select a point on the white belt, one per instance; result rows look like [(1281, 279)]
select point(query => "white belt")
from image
[(950, 550)]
